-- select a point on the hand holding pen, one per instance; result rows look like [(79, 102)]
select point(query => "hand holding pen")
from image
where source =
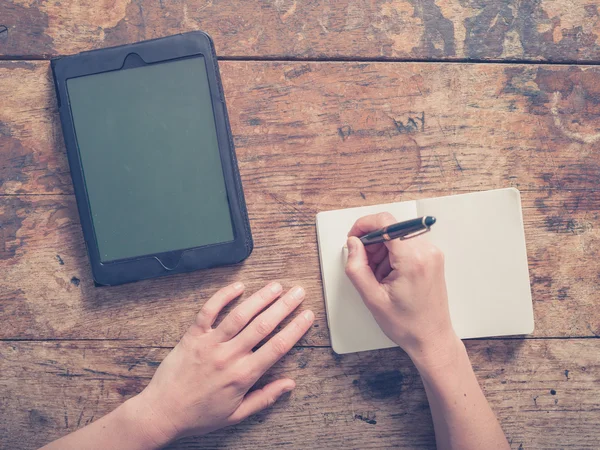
[(402, 283)]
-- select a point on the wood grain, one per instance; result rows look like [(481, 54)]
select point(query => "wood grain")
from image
[(544, 392), (312, 137), (302, 129), (554, 30), (47, 291)]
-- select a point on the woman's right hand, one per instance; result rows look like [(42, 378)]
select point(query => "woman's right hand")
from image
[(403, 285)]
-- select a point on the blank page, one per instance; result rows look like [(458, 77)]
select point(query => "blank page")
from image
[(351, 326), (487, 275), (482, 237)]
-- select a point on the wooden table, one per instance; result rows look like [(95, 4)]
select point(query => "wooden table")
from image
[(332, 104)]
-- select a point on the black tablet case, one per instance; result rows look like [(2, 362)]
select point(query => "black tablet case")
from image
[(135, 55)]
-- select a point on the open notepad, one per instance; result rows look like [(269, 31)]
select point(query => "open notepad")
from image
[(481, 235)]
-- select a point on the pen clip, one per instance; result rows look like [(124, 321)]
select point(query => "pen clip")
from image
[(415, 234)]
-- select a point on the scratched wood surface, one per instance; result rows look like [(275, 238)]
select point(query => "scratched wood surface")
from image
[(545, 393), (312, 137), (554, 30), (299, 126), (47, 291)]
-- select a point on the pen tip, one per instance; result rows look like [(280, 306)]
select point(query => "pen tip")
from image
[(429, 220)]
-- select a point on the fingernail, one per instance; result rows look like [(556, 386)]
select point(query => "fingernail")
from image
[(297, 293), (238, 286), (308, 315), (288, 389), (276, 288)]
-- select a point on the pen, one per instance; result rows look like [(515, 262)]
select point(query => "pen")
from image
[(401, 230)]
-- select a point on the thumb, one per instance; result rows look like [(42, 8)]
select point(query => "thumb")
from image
[(261, 399), (358, 270)]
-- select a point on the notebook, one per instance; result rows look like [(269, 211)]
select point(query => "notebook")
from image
[(482, 237)]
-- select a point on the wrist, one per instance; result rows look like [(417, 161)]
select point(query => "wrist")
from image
[(143, 424), (439, 354)]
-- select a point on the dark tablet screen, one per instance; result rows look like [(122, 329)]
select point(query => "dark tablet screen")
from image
[(148, 146)]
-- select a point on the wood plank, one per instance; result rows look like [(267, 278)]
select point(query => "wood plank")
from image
[(331, 127), (32, 155), (544, 392), (47, 291), (553, 30)]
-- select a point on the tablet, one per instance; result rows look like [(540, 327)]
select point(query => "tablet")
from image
[(152, 158)]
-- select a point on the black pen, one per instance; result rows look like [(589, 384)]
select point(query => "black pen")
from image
[(401, 230)]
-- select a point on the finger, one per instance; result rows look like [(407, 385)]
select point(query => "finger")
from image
[(375, 222), (378, 256), (261, 399), (358, 270), (372, 266), (281, 343), (374, 248), (406, 253), (383, 269), (375, 257), (237, 319), (213, 306), (266, 322), (370, 223)]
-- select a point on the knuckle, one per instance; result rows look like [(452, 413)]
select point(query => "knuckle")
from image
[(418, 262), (266, 294), (423, 259), (263, 327), (297, 324), (269, 401), (205, 313), (351, 269), (279, 346), (348, 269), (243, 378), (238, 318), (437, 256), (287, 301), (385, 218), (220, 363)]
